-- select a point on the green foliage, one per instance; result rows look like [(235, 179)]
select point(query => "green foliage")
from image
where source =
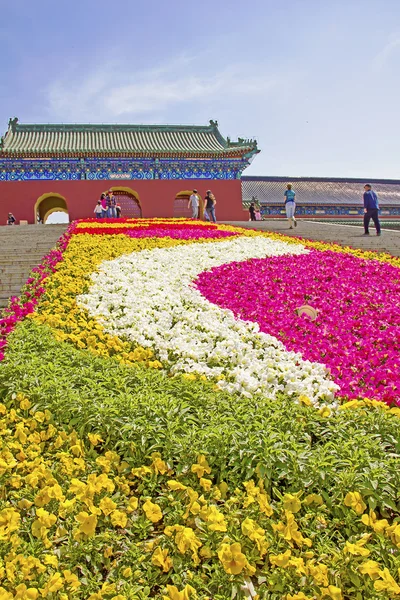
[(139, 411)]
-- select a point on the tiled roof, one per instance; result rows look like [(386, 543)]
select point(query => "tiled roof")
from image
[(318, 191), (84, 140)]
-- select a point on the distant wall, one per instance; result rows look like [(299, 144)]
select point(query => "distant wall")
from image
[(156, 196)]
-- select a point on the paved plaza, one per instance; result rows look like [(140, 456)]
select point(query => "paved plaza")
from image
[(345, 235)]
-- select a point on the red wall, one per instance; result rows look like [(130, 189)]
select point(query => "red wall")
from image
[(156, 196)]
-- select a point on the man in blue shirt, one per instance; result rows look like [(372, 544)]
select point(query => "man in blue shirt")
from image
[(371, 208), (290, 205)]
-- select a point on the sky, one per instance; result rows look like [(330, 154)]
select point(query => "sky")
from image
[(316, 82)]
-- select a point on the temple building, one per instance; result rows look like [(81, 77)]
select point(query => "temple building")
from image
[(152, 169), (321, 198)]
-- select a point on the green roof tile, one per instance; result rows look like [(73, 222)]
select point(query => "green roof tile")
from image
[(68, 139)]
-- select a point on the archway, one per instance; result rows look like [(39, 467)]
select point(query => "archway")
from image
[(128, 200), (47, 204), (181, 203)]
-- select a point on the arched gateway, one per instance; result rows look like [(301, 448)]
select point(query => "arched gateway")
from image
[(129, 201), (145, 165), (48, 204)]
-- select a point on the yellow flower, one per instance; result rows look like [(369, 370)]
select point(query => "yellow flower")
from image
[(313, 499), (186, 539), (393, 532), (174, 594), (107, 506), (119, 518), (232, 558), (201, 466), (205, 484), (355, 550), (25, 593), (388, 584), (50, 559), (371, 568), (291, 503), (95, 439), (354, 500), (25, 404), (319, 573), (161, 559), (176, 485), (132, 504), (333, 592), (299, 596), (153, 511), (256, 534), (87, 522), (159, 465), (290, 530), (305, 400), (280, 560), (378, 525), (4, 595), (9, 522), (71, 579), (53, 584), (214, 518)]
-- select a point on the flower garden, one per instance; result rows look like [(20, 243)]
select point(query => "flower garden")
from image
[(170, 428)]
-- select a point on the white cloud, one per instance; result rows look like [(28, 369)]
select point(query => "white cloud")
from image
[(113, 93), (381, 59)]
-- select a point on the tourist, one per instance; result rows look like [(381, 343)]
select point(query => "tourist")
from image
[(103, 202), (258, 214), (11, 220), (113, 204), (290, 205), (210, 202), (118, 210), (98, 210), (252, 212), (194, 204), (371, 208)]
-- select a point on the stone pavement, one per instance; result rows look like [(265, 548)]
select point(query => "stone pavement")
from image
[(345, 235), (22, 248)]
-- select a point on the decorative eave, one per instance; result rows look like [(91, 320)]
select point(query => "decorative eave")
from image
[(63, 141)]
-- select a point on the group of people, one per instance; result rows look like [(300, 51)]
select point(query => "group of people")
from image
[(209, 206), (107, 207), (371, 208)]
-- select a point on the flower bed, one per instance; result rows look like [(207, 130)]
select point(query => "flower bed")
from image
[(155, 445), (356, 333)]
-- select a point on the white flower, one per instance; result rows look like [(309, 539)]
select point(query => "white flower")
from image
[(149, 297)]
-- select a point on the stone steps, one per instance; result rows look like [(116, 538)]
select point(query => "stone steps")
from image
[(21, 249)]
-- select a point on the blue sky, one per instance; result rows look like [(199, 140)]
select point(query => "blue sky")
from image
[(315, 81)]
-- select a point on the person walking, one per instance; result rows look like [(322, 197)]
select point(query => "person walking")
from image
[(252, 212), (258, 214), (209, 213), (194, 204), (371, 208), (290, 205), (98, 210), (11, 220), (119, 210)]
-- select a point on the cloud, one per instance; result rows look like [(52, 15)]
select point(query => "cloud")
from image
[(112, 93), (381, 59)]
